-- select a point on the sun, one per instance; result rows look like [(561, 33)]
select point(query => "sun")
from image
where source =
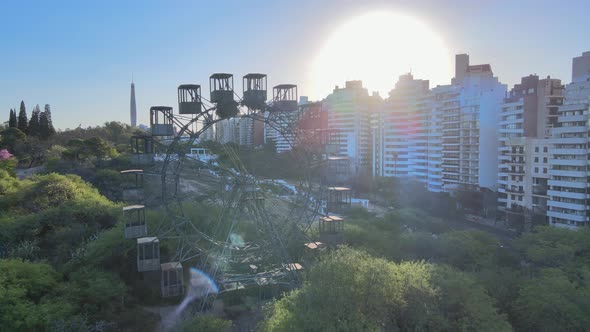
[(376, 48)]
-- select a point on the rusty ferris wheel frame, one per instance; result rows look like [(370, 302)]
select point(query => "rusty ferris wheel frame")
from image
[(279, 221)]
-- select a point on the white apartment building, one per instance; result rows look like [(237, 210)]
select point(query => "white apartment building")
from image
[(245, 131), (227, 131), (281, 128), (569, 204), (406, 136), (527, 117), (444, 137), (470, 116), (350, 113), (208, 134)]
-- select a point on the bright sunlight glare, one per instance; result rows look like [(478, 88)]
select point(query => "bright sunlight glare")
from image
[(376, 48)]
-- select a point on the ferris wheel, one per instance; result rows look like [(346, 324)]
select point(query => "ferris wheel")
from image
[(254, 226)]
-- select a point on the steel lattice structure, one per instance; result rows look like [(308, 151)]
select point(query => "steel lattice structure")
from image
[(277, 223)]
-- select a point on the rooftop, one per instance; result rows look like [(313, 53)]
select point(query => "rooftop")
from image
[(147, 240), (133, 207)]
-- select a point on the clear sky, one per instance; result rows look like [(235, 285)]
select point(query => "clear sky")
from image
[(79, 56)]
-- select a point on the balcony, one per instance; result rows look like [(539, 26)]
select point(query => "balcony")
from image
[(566, 216), (540, 190), (568, 162), (567, 194), (515, 190), (569, 206), (569, 184), (575, 174)]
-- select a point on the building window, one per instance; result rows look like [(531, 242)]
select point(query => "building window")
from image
[(545, 160), (544, 171), (536, 159), (544, 149), (536, 169), (536, 149)]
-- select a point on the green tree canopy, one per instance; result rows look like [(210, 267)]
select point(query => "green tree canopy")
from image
[(11, 138), (23, 120), (46, 129), (12, 122), (35, 122), (349, 290), (553, 302), (27, 301)]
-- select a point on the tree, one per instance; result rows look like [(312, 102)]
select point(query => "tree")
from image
[(348, 290), (553, 302), (23, 121), (46, 129), (7, 162), (12, 119), (469, 250), (202, 323), (34, 123), (27, 302), (11, 137), (115, 131)]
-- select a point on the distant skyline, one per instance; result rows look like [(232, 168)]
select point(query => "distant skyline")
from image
[(80, 56)]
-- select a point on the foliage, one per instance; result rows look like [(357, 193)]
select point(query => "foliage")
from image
[(468, 250), (23, 121), (55, 152), (555, 247), (203, 323), (7, 163), (12, 122), (35, 122), (46, 129), (27, 296), (373, 294), (81, 150), (553, 302), (56, 212), (8, 183), (11, 137)]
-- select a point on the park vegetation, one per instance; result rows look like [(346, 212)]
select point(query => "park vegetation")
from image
[(66, 266)]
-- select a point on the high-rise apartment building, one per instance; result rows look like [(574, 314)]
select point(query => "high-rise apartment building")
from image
[(569, 196), (281, 128), (470, 114), (527, 117), (350, 114), (444, 137), (404, 125), (228, 131)]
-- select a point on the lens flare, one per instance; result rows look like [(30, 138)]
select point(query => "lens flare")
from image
[(200, 286)]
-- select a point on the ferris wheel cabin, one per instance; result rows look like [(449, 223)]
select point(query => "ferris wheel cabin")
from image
[(161, 121), (221, 86), (148, 254), (135, 226), (133, 192), (254, 85), (172, 282), (285, 97), (189, 99), (339, 199), (142, 150), (331, 224)]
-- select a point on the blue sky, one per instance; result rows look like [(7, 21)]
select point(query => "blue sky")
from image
[(79, 56)]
